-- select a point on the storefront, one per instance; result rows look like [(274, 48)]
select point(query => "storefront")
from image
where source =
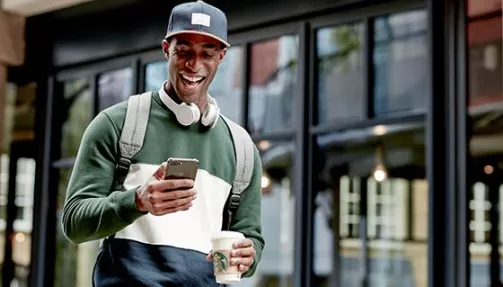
[(377, 123)]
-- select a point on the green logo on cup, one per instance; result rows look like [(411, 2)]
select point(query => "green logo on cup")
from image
[(221, 261)]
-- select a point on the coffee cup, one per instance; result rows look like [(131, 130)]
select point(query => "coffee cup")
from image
[(222, 246)]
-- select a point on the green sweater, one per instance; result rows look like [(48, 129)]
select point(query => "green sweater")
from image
[(93, 210)]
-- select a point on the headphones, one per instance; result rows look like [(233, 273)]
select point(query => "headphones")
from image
[(188, 114)]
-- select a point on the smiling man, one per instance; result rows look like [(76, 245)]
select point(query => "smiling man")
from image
[(156, 230)]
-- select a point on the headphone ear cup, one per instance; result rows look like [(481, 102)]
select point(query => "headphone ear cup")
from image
[(217, 116), (195, 112), (187, 114), (209, 115)]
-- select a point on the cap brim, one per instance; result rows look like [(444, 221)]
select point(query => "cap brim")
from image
[(198, 33)]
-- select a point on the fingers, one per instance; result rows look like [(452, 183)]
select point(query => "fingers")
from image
[(245, 243), (162, 211), (247, 261), (243, 252), (159, 173), (171, 184), (243, 268), (166, 204), (161, 196), (209, 257)]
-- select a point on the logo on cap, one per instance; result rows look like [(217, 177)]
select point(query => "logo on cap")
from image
[(201, 19)]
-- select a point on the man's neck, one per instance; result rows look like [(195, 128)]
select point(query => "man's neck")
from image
[(201, 103)]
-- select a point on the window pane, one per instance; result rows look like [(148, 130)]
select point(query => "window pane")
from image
[(155, 74), (273, 84), (400, 62), (226, 87), (485, 56), (114, 87), (377, 189), (340, 73), (79, 103), (74, 263), (18, 124), (278, 216)]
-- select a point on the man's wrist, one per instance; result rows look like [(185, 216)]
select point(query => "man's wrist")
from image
[(139, 204)]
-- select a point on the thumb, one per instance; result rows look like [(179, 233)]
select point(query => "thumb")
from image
[(209, 257), (159, 173)]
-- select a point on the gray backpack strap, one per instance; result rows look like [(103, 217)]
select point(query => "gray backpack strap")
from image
[(133, 133), (244, 151)]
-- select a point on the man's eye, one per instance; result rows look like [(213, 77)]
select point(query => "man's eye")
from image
[(207, 55)]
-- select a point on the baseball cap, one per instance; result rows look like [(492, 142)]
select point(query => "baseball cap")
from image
[(198, 18)]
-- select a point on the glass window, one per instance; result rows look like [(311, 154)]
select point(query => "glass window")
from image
[(78, 103), (485, 94), (340, 73), (18, 124), (227, 85), (155, 74), (74, 263), (278, 216), (114, 87), (373, 194), (273, 84), (400, 62)]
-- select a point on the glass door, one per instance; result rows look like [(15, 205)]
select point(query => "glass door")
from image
[(484, 50), (17, 178), (79, 97)]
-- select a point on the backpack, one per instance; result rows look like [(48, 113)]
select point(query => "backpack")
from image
[(133, 134)]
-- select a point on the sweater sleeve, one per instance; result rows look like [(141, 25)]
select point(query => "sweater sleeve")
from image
[(92, 209), (247, 218)]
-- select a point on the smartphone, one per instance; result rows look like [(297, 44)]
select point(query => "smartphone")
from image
[(182, 168)]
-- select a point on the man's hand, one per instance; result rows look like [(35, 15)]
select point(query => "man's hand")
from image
[(242, 255), (159, 196)]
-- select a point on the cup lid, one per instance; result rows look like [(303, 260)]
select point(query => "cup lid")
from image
[(227, 234)]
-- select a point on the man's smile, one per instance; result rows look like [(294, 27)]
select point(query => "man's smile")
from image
[(191, 82)]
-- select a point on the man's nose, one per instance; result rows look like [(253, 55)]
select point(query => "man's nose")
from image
[(193, 63)]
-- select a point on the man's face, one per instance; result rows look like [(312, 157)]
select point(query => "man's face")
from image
[(193, 61)]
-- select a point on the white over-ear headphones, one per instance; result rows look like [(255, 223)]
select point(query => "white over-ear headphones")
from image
[(188, 114)]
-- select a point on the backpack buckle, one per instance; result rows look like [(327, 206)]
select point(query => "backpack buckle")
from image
[(234, 201), (122, 169)]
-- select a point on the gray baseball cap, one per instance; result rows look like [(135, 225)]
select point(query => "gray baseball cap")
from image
[(198, 18)]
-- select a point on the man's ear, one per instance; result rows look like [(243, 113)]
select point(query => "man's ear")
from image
[(223, 52), (165, 48)]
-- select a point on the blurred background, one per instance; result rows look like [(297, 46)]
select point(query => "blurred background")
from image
[(373, 176)]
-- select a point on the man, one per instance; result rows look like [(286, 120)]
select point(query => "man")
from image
[(157, 232)]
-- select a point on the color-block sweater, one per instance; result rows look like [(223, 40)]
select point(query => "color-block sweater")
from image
[(148, 250)]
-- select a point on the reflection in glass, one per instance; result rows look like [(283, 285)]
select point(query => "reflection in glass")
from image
[(273, 84), (114, 87), (485, 168), (400, 62), (340, 73), (74, 263), (18, 129), (23, 224), (77, 113), (356, 208), (278, 214), (226, 87), (155, 74)]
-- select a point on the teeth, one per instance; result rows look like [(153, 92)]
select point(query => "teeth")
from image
[(192, 79)]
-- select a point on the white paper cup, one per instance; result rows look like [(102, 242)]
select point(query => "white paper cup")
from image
[(222, 245)]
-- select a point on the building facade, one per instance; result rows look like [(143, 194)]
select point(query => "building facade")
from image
[(378, 124)]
